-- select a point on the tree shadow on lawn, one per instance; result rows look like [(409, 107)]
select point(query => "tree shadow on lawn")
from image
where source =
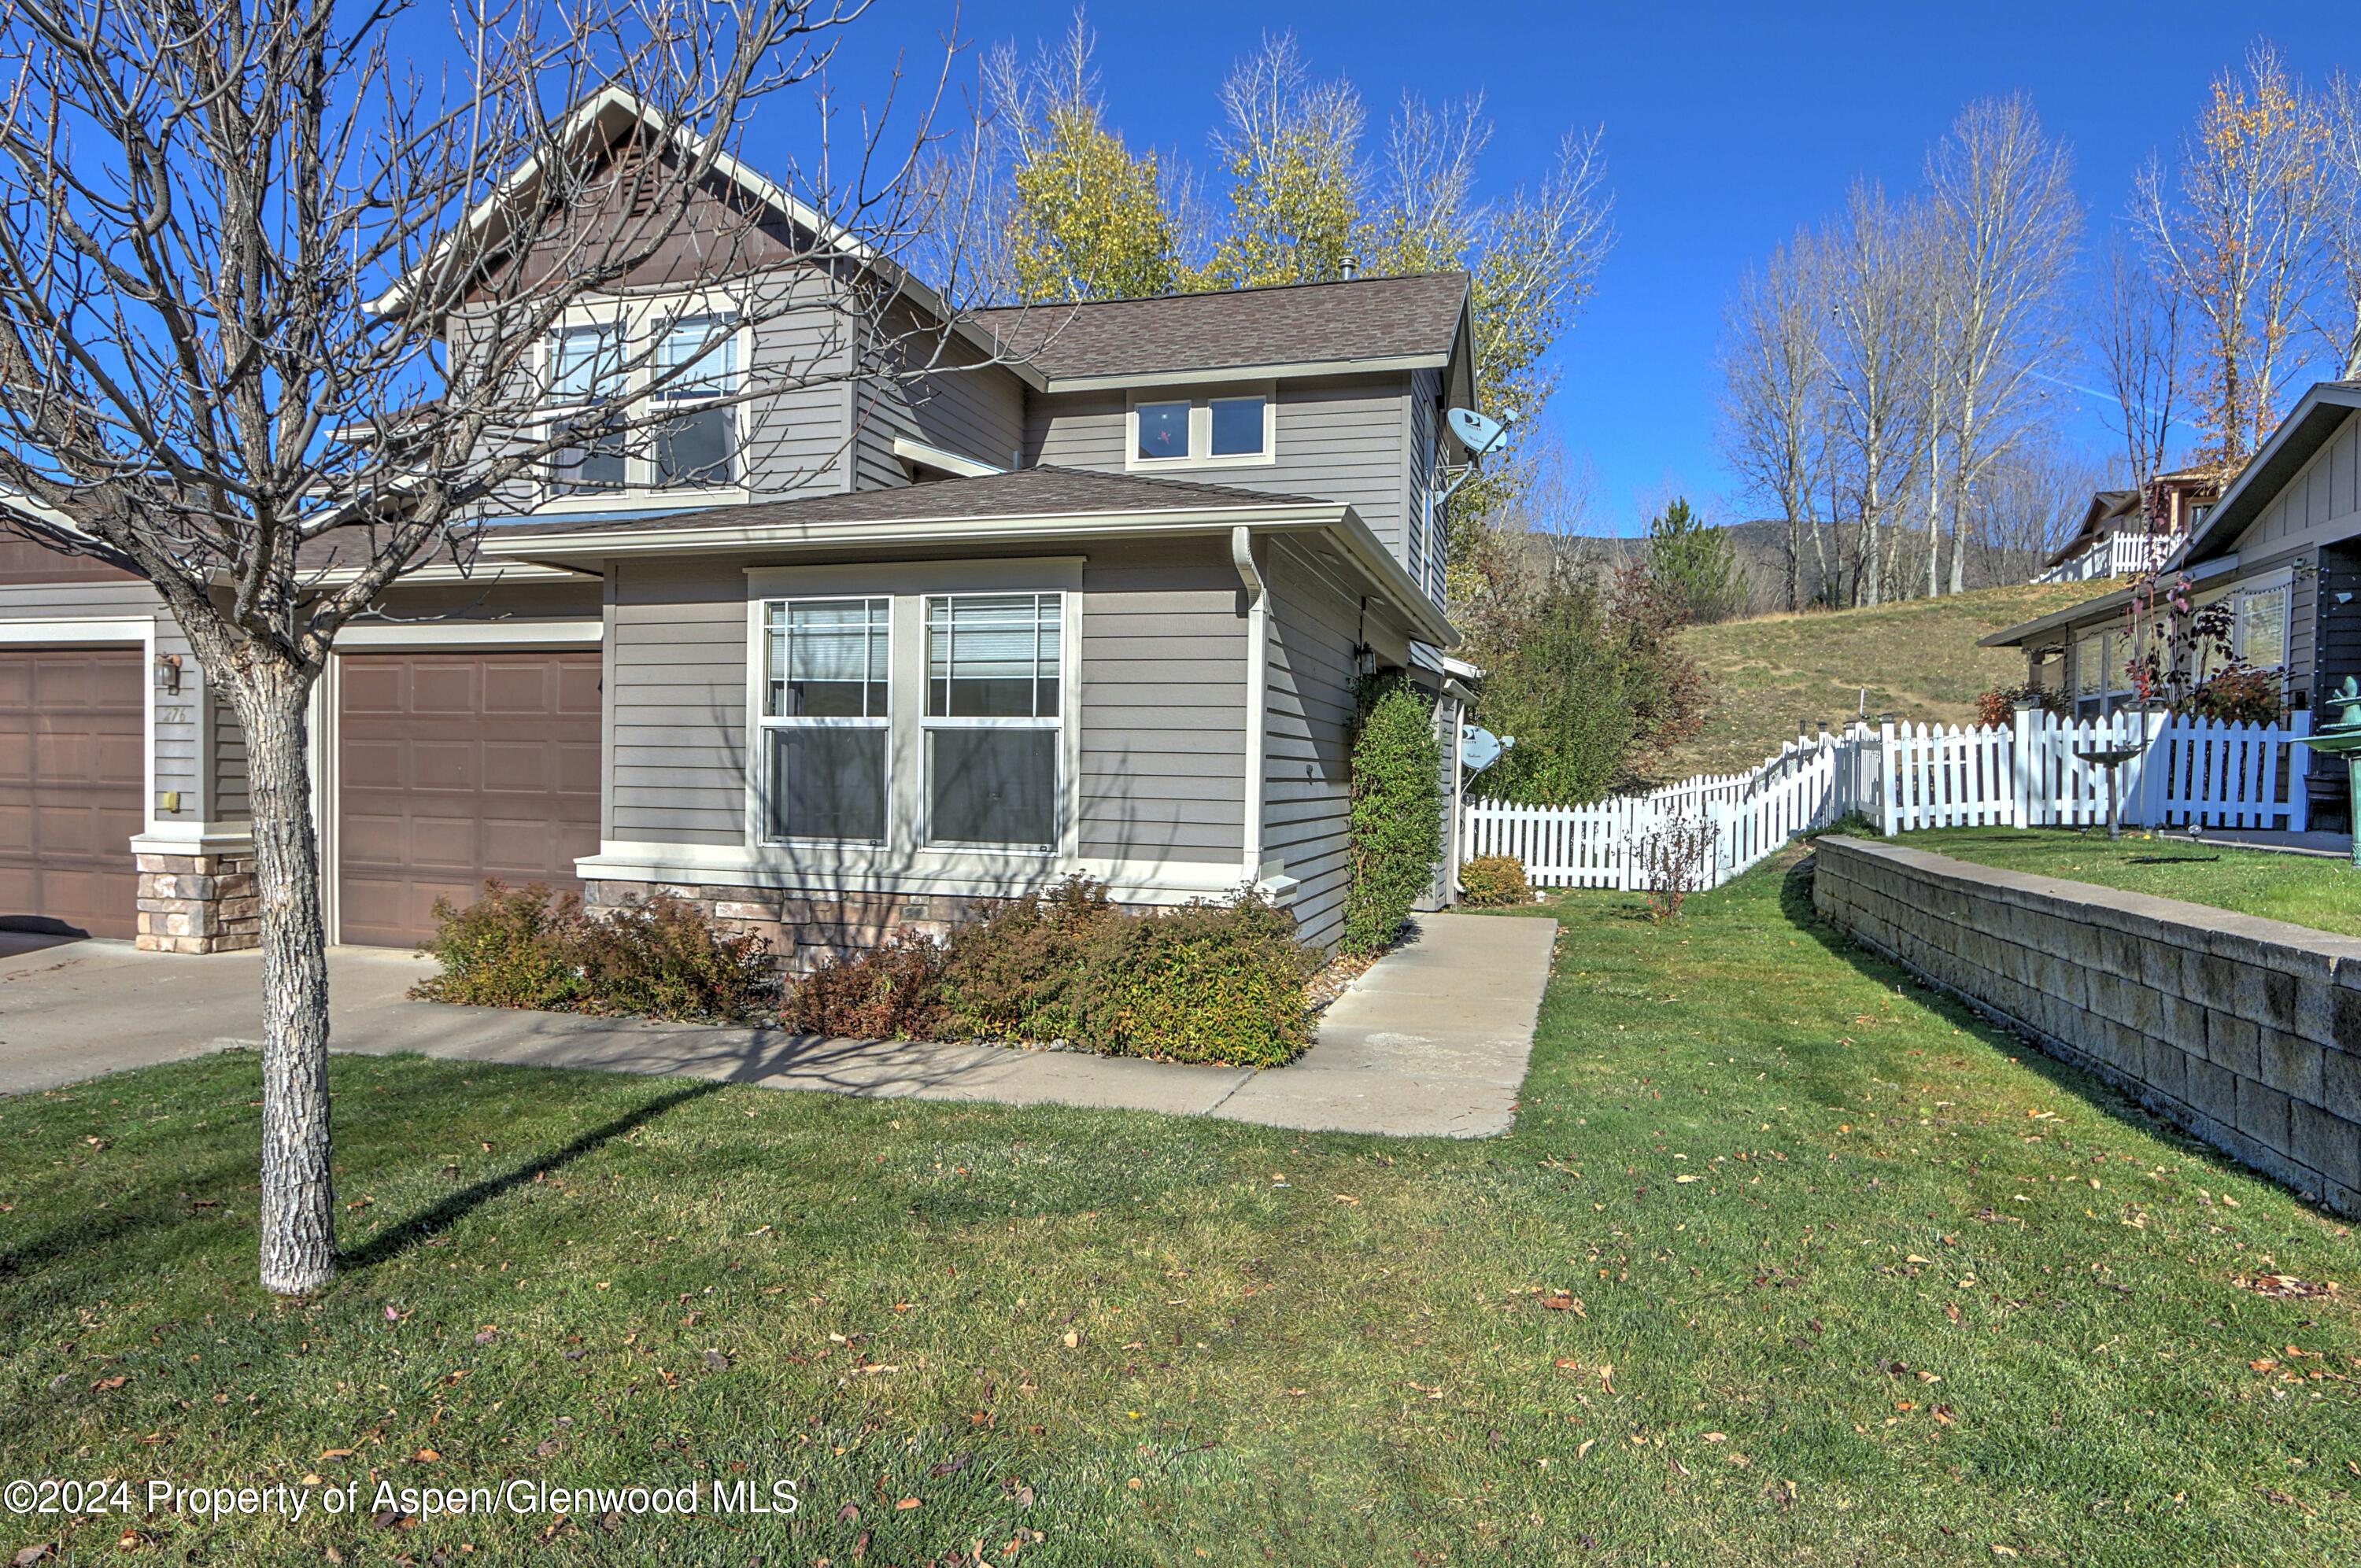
[(404, 1235), (1795, 903)]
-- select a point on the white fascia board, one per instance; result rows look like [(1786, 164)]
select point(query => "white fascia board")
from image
[(941, 459), (455, 634), (600, 545), (1227, 373), (497, 572)]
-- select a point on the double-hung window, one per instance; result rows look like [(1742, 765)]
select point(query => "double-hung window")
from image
[(586, 384), (992, 729), (827, 717), (696, 369), (2260, 632)]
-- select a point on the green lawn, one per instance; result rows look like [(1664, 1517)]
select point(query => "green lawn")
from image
[(2306, 889), (1848, 1278)]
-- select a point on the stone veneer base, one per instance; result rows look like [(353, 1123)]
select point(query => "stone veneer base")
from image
[(198, 903), (803, 928), (2243, 1031)]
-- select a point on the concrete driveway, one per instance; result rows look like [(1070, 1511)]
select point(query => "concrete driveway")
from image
[(1433, 1041)]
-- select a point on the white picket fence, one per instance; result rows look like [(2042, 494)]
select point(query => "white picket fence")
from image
[(2038, 771)]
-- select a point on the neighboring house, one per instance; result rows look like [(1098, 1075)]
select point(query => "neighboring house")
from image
[(2282, 546), (1095, 601), (2119, 537)]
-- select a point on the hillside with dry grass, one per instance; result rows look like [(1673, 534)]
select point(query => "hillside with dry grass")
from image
[(1917, 660)]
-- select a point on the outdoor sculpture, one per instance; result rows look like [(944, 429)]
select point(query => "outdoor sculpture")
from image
[(2341, 737)]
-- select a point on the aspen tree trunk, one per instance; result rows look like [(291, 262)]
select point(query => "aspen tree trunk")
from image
[(298, 1210)]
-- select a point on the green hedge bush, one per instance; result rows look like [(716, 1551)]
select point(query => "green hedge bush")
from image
[(1012, 974), (1203, 983), (514, 947), (661, 958), (1494, 881), (1395, 833)]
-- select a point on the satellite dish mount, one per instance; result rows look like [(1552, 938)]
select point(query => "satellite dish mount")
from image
[(1480, 435)]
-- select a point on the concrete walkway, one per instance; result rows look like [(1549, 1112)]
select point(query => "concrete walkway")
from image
[(1431, 1042)]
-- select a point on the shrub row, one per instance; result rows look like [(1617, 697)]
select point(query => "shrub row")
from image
[(658, 958), (1202, 982)]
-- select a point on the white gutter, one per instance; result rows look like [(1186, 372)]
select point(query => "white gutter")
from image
[(1341, 523), (1258, 694)]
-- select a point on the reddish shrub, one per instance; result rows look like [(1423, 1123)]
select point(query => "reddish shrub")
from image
[(893, 991)]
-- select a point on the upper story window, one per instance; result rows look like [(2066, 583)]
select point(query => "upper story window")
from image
[(1211, 431), (697, 446), (689, 370), (585, 374)]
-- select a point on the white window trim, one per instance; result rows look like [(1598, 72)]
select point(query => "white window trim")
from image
[(2281, 582), (636, 319), (929, 724), (759, 764), (905, 859), (1201, 428)]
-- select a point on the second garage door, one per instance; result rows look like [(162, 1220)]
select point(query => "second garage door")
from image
[(455, 767), (72, 723)]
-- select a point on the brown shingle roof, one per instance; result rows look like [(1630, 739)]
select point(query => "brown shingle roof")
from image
[(1367, 318), (1044, 491)]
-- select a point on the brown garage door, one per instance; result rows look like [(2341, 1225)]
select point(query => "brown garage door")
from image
[(72, 721), (455, 767)]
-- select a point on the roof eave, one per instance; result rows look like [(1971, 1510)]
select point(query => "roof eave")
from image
[(2267, 472), (1200, 375), (589, 549)]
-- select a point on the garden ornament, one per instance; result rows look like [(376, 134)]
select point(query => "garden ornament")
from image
[(2341, 737)]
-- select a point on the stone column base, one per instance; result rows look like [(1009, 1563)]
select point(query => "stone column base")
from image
[(198, 903)]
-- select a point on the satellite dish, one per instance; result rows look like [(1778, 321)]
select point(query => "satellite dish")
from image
[(1475, 432), (1480, 748)]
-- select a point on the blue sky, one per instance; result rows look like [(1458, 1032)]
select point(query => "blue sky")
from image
[(1727, 125)]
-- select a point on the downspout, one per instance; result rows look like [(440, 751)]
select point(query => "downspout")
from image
[(1257, 592)]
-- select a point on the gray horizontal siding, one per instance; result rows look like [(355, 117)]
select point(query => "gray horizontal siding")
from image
[(1163, 706), (676, 703), (1307, 747), (1340, 438), (938, 390)]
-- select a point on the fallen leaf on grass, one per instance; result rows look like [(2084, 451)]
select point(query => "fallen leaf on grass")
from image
[(906, 1503), (105, 1385)]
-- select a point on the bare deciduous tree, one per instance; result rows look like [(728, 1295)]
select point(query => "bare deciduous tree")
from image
[(2005, 223), (1877, 346), (1774, 408), (2237, 232), (2136, 340), (273, 310)]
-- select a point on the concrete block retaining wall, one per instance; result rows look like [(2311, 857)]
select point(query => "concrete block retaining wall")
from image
[(2245, 1031)]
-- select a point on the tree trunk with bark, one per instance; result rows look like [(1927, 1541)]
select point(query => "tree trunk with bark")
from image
[(273, 701)]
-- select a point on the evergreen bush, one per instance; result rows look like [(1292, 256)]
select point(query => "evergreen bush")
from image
[(1396, 831)]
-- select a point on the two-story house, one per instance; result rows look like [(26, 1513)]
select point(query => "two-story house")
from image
[(1092, 598)]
